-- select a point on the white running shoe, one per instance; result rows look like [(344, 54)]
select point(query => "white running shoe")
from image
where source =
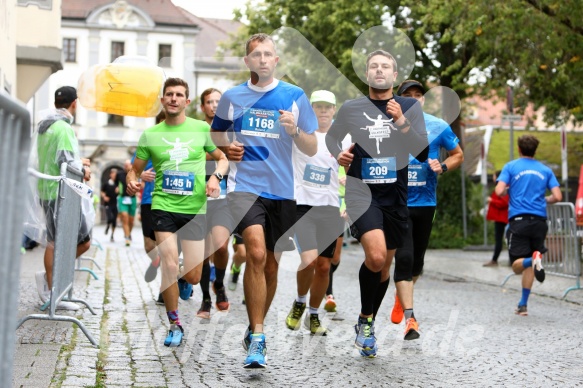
[(45, 294), (42, 286), (63, 305), (539, 272)]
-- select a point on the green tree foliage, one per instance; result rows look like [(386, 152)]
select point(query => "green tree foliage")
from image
[(537, 44), (333, 27), (448, 231)]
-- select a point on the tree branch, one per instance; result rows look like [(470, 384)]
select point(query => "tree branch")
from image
[(549, 12)]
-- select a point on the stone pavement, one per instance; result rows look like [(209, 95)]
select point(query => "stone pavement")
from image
[(469, 334)]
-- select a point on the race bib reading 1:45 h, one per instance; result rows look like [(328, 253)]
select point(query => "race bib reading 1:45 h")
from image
[(261, 122), (178, 182)]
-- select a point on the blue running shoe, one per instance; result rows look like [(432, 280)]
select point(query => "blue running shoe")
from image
[(365, 341), (256, 353), (213, 275), (185, 289), (247, 339), (174, 337)]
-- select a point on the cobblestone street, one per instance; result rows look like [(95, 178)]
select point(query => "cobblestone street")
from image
[(469, 334)]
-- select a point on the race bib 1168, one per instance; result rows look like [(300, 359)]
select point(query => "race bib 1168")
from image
[(261, 122)]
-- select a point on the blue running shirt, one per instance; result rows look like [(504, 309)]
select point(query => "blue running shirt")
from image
[(527, 180), (148, 186), (253, 112), (422, 180)]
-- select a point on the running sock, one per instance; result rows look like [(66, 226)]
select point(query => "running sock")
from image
[(219, 277), (302, 298), (525, 295), (313, 310), (409, 314), (369, 284), (380, 296), (156, 262), (333, 268), (205, 279), (235, 268), (173, 317), (527, 262)]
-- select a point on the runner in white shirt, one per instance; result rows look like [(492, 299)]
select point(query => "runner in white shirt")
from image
[(318, 218)]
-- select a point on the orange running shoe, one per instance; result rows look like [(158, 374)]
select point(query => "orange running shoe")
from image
[(397, 313), (330, 305), (222, 300), (411, 329)]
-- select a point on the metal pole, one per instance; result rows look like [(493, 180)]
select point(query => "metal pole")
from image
[(564, 166), (464, 211), (484, 181), (511, 140), (510, 107)]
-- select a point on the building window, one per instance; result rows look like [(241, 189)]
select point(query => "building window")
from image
[(115, 120), (70, 50), (117, 50), (164, 55)]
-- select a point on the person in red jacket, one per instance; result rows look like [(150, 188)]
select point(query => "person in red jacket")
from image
[(497, 212)]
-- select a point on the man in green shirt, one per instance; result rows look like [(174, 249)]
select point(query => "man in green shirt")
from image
[(57, 144), (177, 148)]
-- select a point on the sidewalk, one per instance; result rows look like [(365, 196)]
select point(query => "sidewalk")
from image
[(130, 327)]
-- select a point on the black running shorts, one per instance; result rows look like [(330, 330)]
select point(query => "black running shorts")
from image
[(276, 216), (190, 227)]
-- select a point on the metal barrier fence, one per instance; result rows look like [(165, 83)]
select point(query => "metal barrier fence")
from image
[(68, 210), (14, 151), (563, 257)]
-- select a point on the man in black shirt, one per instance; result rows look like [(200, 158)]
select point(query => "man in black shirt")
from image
[(385, 129), (109, 191)]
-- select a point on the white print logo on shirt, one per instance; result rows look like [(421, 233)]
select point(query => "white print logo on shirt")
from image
[(379, 130), (177, 152)]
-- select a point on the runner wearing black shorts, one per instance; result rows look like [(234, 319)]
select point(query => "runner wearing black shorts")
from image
[(385, 129)]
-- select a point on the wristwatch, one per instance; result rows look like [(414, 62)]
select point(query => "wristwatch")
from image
[(296, 134), (443, 168), (406, 124), (219, 176)]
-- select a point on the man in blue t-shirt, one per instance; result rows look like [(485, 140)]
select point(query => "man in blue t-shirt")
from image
[(268, 116), (421, 190), (526, 180)]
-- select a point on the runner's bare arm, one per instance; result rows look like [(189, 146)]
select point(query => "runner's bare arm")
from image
[(132, 177), (307, 143), (212, 186), (234, 151)]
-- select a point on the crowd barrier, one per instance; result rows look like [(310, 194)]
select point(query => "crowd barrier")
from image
[(68, 210), (14, 151), (563, 257), (94, 243)]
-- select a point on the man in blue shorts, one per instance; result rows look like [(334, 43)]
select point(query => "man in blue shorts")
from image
[(385, 129), (421, 202), (526, 181), (268, 116)]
